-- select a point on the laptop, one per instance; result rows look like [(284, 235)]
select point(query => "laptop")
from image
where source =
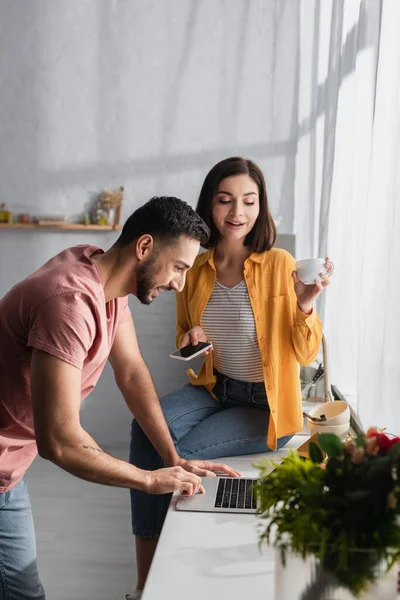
[(232, 494), (223, 494)]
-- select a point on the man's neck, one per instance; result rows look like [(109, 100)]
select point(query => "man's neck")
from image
[(115, 273)]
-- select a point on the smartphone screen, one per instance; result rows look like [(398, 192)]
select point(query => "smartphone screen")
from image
[(191, 351)]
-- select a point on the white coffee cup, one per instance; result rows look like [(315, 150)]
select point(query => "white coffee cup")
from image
[(308, 270)]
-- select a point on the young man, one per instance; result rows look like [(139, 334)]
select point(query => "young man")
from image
[(58, 327)]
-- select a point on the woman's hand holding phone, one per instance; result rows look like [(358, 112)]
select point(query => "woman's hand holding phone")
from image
[(193, 338)]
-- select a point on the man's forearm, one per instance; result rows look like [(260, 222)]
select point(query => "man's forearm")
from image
[(80, 455), (141, 397)]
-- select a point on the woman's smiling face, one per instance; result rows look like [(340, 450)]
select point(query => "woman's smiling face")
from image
[(235, 207)]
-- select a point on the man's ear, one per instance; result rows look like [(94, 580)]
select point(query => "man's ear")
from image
[(144, 246)]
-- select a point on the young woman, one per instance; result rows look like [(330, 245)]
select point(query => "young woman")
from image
[(244, 296)]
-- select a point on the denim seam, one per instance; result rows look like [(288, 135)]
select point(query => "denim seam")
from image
[(245, 440), (224, 384), (183, 413), (145, 533), (4, 580), (162, 513), (6, 498)]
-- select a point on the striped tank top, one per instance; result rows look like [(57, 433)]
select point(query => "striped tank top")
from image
[(228, 322)]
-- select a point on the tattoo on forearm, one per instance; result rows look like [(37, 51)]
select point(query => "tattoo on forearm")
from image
[(93, 448)]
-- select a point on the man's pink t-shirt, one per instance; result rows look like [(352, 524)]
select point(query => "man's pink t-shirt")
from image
[(60, 309)]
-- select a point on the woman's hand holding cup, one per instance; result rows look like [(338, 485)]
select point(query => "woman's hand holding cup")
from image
[(310, 278)]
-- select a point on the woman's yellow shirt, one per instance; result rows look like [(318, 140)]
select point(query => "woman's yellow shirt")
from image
[(286, 336)]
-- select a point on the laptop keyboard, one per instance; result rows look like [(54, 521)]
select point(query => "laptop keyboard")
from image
[(235, 493)]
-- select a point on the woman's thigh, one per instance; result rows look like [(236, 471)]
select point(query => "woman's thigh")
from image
[(230, 432), (185, 408), (202, 427)]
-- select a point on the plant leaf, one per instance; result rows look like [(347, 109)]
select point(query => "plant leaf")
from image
[(330, 444), (361, 441), (379, 465), (315, 453), (357, 495)]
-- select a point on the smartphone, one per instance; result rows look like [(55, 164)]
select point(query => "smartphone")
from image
[(188, 352)]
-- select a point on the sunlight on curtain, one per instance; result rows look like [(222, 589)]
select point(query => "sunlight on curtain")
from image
[(347, 189), (378, 382)]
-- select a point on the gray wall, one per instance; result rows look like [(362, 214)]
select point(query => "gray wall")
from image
[(147, 94)]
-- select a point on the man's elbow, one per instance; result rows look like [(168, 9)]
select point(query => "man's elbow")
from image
[(126, 379), (50, 450)]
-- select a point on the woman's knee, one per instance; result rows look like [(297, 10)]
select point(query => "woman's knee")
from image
[(281, 442), (142, 453), (184, 400), (148, 512), (135, 428)]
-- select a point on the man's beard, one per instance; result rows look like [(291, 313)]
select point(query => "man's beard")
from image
[(145, 281)]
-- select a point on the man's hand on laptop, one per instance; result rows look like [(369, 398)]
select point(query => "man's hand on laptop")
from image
[(204, 468), (171, 479)]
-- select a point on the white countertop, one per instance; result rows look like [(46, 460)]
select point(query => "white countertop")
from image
[(214, 555)]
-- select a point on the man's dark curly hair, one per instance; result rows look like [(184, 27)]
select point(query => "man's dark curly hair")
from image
[(165, 218)]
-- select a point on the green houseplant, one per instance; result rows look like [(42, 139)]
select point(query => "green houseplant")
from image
[(341, 509)]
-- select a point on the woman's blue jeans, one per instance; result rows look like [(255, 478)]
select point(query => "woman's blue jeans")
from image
[(201, 428)]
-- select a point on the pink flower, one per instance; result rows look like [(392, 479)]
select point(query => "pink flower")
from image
[(394, 441), (372, 447), (372, 431), (384, 442), (358, 456)]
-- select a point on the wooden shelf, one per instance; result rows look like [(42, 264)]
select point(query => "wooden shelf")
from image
[(67, 226)]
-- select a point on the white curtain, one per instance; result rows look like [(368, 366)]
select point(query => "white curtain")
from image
[(347, 192)]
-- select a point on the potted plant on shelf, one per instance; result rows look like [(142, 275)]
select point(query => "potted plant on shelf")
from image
[(338, 512), (111, 201)]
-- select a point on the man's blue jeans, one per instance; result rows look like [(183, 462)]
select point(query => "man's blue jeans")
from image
[(202, 428), (19, 579)]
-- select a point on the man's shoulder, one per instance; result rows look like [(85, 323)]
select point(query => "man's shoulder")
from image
[(71, 273)]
